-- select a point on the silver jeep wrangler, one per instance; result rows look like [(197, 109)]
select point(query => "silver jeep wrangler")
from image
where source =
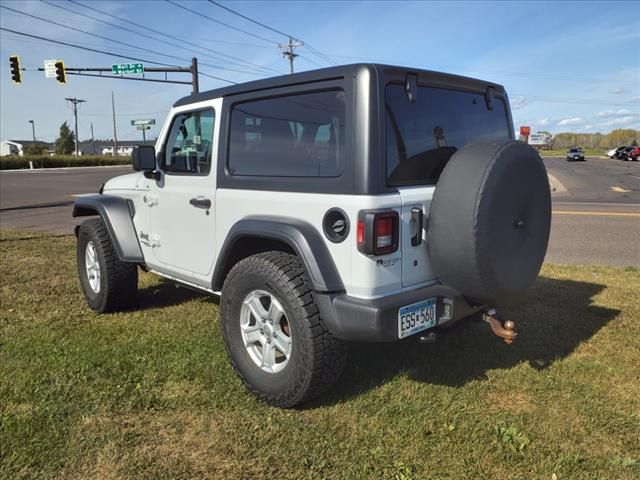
[(356, 203)]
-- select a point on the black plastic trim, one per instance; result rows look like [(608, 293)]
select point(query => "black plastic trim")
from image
[(358, 320), (117, 216), (303, 239), (331, 235)]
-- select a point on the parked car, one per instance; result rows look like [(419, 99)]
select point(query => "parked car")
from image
[(624, 153), (634, 154), (278, 196), (614, 151), (575, 154)]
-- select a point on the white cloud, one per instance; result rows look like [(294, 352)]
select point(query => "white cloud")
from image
[(571, 121), (619, 90), (518, 103), (612, 113), (543, 123), (605, 113), (619, 121)]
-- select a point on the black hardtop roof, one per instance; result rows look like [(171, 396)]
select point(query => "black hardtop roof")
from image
[(310, 76)]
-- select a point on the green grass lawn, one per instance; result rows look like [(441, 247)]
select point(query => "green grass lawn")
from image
[(150, 394)]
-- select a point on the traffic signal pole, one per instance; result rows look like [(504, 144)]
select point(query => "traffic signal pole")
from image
[(98, 72), (61, 72)]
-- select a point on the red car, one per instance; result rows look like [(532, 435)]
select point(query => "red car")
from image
[(634, 154)]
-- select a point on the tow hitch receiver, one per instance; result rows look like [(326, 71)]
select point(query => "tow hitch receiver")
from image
[(505, 331)]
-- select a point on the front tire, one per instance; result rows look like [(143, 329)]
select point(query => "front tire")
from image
[(109, 284), (273, 333)]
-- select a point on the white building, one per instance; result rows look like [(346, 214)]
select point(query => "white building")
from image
[(17, 147)]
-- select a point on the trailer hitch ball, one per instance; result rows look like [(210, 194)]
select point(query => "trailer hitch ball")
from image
[(506, 330)]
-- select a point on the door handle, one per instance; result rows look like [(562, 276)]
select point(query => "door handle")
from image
[(201, 202), (416, 218)]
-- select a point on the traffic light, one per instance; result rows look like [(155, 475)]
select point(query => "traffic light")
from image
[(16, 74), (61, 75)]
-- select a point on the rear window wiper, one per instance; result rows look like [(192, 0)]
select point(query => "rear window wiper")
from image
[(489, 97)]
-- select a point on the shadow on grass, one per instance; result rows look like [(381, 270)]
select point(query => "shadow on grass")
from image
[(554, 318), (167, 294)]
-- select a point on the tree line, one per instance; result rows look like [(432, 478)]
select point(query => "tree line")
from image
[(615, 138)]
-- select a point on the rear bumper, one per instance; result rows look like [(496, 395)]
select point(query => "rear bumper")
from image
[(357, 320)]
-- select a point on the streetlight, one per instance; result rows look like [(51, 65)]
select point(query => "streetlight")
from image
[(33, 129)]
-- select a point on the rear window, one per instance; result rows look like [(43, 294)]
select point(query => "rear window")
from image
[(292, 136), (424, 134)]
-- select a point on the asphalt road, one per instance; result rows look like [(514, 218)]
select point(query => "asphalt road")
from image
[(600, 180), (41, 200), (596, 206)]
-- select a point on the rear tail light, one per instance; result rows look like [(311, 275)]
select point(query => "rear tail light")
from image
[(361, 232), (378, 232)]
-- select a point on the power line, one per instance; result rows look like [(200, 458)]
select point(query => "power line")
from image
[(219, 22), (252, 20), (141, 35), (112, 40), (506, 72), (313, 62), (94, 50), (579, 101), (103, 52), (84, 32), (313, 50), (165, 34)]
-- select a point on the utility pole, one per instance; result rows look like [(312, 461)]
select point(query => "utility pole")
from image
[(33, 130), (93, 141), (288, 51), (115, 135), (194, 76), (75, 102)]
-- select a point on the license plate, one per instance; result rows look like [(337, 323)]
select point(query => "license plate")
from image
[(416, 317)]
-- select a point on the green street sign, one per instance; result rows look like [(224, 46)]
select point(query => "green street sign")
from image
[(149, 121), (127, 68)]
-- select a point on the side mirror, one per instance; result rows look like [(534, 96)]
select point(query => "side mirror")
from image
[(144, 158)]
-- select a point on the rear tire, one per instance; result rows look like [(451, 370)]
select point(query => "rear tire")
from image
[(309, 361), (109, 284)]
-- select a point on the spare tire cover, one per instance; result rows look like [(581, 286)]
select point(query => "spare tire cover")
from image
[(490, 219)]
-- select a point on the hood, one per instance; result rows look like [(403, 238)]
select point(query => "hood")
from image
[(123, 182)]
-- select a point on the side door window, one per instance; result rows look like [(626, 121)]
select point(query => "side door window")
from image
[(189, 144)]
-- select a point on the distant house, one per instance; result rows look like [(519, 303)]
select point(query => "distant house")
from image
[(17, 147)]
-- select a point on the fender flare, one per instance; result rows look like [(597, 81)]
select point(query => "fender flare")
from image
[(117, 215), (301, 237)]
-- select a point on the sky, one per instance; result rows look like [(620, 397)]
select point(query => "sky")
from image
[(567, 66)]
